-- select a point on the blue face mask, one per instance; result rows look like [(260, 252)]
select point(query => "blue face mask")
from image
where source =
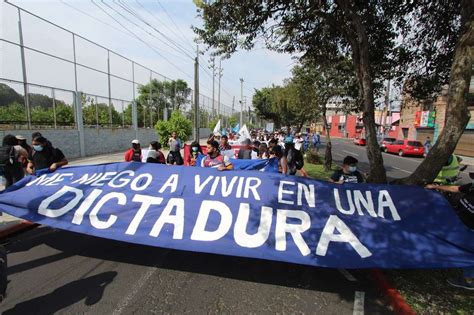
[(352, 169), (38, 148)]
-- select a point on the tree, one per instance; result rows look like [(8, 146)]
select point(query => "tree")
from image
[(177, 123), (9, 96), (361, 30), (457, 105)]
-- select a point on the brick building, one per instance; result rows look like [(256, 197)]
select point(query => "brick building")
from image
[(422, 119)]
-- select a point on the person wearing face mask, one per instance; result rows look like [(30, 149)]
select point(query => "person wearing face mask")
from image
[(44, 156), (348, 173), (464, 208), (194, 153), (134, 154)]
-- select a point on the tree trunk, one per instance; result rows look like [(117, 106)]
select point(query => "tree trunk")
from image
[(457, 111), (328, 151), (300, 126), (360, 53)]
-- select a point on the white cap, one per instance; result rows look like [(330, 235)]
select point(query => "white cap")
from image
[(20, 137), (136, 141)]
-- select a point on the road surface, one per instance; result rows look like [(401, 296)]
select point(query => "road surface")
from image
[(396, 166), (56, 271)]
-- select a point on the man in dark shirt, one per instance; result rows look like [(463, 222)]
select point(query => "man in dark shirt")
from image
[(465, 210), (44, 156), (348, 173)]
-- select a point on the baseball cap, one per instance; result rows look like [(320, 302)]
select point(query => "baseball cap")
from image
[(136, 141), (20, 137)]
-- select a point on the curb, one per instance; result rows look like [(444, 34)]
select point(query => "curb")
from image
[(400, 306), (17, 228)]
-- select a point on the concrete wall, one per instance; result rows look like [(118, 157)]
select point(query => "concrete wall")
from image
[(96, 141)]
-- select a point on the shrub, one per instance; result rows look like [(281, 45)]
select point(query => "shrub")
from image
[(312, 157), (178, 123)]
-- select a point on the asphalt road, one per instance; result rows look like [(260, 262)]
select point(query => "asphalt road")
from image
[(56, 271), (396, 166)]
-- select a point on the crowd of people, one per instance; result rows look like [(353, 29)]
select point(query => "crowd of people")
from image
[(18, 158)]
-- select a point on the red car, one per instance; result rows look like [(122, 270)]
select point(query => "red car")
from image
[(405, 147), (360, 141), (386, 141)]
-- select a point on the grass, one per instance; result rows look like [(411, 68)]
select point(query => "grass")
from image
[(317, 171), (427, 291)]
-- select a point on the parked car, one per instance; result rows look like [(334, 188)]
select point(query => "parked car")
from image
[(405, 147), (386, 141), (360, 140)]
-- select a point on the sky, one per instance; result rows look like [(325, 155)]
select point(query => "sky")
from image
[(167, 46)]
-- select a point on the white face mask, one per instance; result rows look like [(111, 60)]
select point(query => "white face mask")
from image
[(352, 169)]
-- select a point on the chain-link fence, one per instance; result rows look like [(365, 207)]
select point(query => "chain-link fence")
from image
[(46, 66)]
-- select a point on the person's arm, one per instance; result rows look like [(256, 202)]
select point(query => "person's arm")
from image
[(336, 178), (227, 165), (445, 188), (284, 165), (128, 156), (59, 158), (30, 168)]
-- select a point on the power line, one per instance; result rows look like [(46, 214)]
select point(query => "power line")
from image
[(137, 37), (131, 11), (172, 20), (164, 24), (152, 35)]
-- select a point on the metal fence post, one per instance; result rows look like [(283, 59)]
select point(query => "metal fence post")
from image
[(23, 67), (110, 90), (53, 96), (134, 104), (80, 122)]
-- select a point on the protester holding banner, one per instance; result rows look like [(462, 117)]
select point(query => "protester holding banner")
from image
[(224, 146), (134, 154), (174, 157), (154, 153), (45, 156), (294, 157), (215, 159), (348, 173), (263, 151), (277, 152), (195, 152), (465, 210), (11, 156)]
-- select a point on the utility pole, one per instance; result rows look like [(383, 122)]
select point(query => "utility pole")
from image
[(233, 102), (196, 95), (219, 90), (213, 67), (241, 100)]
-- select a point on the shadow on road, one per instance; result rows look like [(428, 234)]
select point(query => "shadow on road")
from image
[(91, 289), (231, 267)]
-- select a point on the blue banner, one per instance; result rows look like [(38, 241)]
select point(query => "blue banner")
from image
[(249, 214), (263, 165)]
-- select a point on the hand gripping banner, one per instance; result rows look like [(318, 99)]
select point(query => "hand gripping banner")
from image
[(249, 214)]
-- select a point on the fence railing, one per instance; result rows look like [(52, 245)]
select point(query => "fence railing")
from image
[(43, 75)]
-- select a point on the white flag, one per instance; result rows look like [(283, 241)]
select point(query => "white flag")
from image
[(217, 128), (244, 133)]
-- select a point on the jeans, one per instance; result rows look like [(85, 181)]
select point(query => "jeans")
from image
[(469, 272)]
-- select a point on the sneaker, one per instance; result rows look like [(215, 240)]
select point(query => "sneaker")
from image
[(461, 283)]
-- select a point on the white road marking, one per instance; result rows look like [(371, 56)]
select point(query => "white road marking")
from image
[(359, 303), (347, 275), (400, 169), (350, 152), (133, 292)]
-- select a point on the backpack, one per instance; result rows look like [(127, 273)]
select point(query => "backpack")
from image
[(7, 155)]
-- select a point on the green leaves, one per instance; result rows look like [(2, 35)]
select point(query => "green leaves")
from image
[(178, 123)]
